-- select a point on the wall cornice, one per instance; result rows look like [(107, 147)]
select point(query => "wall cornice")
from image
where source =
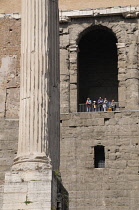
[(11, 16), (126, 12), (67, 15)]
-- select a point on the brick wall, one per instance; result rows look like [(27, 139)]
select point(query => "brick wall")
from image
[(9, 66), (9, 93)]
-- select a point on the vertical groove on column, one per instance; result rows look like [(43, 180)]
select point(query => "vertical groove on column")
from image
[(46, 76), (21, 85), (28, 78), (32, 78), (43, 74), (30, 125), (33, 72), (25, 76), (36, 75), (40, 75), (42, 84)]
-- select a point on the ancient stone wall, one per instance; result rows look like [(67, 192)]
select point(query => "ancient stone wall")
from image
[(9, 92), (8, 148), (124, 25), (9, 66), (117, 185), (118, 132)]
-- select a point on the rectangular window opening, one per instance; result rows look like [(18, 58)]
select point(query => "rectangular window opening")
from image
[(99, 156)]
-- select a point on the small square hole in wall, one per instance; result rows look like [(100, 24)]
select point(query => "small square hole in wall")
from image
[(106, 119)]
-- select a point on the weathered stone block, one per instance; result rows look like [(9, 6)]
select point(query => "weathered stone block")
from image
[(64, 40), (64, 62)]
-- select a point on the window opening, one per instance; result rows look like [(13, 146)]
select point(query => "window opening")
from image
[(99, 156)]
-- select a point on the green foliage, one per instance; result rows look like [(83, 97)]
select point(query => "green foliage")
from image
[(27, 202), (66, 199), (57, 173)]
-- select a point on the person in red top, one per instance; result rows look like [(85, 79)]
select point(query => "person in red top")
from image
[(88, 105)]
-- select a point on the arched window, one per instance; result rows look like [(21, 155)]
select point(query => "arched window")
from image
[(97, 65), (99, 156)]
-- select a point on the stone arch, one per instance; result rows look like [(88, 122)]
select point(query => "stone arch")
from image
[(94, 27), (97, 63), (76, 33)]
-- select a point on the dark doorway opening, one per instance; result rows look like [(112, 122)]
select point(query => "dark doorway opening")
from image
[(99, 156), (97, 65)]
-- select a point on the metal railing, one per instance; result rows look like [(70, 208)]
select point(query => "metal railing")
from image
[(110, 107)]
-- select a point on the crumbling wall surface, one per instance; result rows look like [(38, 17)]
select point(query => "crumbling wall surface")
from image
[(117, 185), (8, 148), (9, 66)]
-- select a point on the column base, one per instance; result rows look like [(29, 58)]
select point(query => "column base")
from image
[(28, 185), (31, 160), (33, 186)]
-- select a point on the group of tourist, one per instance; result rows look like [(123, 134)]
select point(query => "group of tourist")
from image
[(100, 105)]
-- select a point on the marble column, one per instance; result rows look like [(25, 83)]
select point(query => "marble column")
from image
[(30, 183), (32, 145)]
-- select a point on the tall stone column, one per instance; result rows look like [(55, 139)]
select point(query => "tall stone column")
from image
[(29, 184), (32, 145)]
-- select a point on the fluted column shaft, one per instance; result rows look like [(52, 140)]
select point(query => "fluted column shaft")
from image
[(34, 67)]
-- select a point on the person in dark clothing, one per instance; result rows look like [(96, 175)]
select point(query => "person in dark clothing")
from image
[(100, 104)]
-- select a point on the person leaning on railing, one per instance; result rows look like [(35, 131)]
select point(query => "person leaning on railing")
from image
[(105, 104), (88, 105), (100, 104), (113, 105)]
